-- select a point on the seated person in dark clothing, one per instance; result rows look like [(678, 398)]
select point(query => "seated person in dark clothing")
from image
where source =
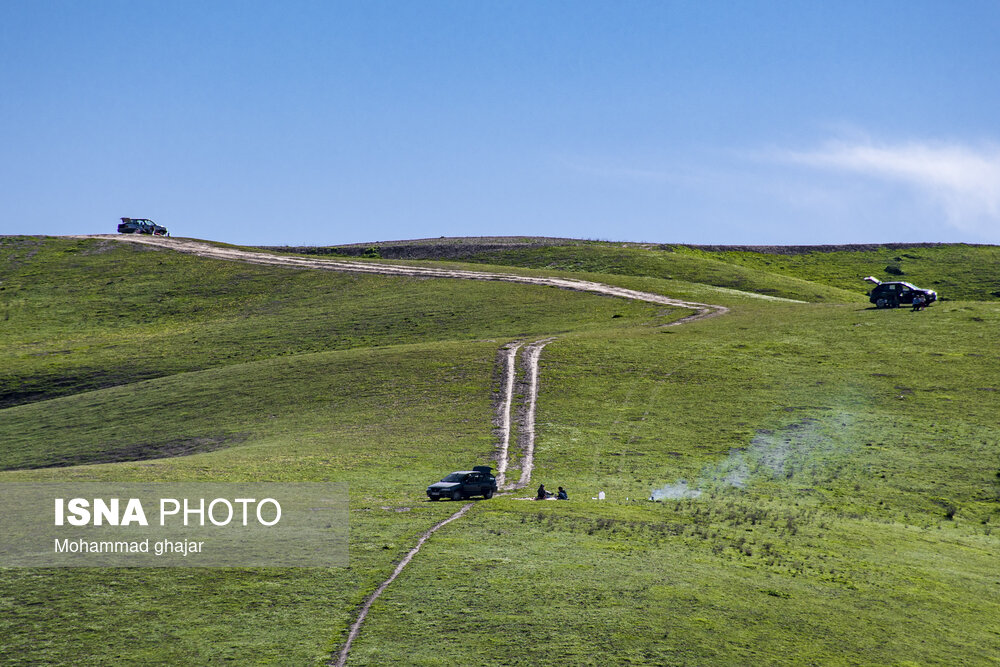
[(542, 493), (562, 494)]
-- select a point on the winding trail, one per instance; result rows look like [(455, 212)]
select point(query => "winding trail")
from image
[(702, 310), (506, 357)]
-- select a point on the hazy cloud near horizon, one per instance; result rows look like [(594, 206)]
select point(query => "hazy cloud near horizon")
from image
[(842, 191), (961, 181)]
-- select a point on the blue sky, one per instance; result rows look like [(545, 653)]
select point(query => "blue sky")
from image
[(336, 122)]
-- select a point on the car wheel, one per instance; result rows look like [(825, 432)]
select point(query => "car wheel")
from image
[(882, 303), (488, 494), (456, 495)]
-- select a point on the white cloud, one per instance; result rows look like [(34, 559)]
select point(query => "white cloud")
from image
[(963, 181)]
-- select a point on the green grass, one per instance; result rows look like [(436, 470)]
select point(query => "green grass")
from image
[(88, 314), (650, 585), (848, 555), (694, 393), (955, 271), (667, 264), (866, 443)]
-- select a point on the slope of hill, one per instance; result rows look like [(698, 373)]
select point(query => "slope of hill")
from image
[(88, 314), (958, 271), (600, 258), (824, 462)]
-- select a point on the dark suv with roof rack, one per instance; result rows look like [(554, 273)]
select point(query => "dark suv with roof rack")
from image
[(460, 485)]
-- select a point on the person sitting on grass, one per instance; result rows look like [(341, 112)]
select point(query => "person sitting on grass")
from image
[(562, 494), (542, 493)]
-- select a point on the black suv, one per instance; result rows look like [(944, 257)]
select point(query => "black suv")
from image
[(890, 295), (459, 485), (141, 226)]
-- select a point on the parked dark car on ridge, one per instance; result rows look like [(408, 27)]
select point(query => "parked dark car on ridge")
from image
[(141, 226)]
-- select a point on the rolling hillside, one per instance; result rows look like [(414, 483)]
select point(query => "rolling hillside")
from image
[(826, 476), (960, 271)]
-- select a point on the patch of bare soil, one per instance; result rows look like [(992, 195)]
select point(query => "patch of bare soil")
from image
[(464, 247), (34, 388), (441, 248), (805, 249), (142, 451), (20, 248)]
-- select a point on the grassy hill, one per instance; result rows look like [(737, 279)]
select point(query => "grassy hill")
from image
[(957, 271), (827, 474)]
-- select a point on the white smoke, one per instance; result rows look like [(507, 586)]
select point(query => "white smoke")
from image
[(802, 452), (676, 491)]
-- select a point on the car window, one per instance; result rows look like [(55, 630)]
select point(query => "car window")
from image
[(453, 477)]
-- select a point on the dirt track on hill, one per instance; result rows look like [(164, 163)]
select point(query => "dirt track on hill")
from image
[(366, 605), (507, 360), (526, 422), (525, 413), (702, 310)]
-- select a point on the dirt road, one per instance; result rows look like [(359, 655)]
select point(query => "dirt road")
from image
[(702, 310), (507, 359), (526, 421), (525, 412)]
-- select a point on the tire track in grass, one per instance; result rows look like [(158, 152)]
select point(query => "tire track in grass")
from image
[(341, 659), (702, 310), (508, 360), (526, 433)]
